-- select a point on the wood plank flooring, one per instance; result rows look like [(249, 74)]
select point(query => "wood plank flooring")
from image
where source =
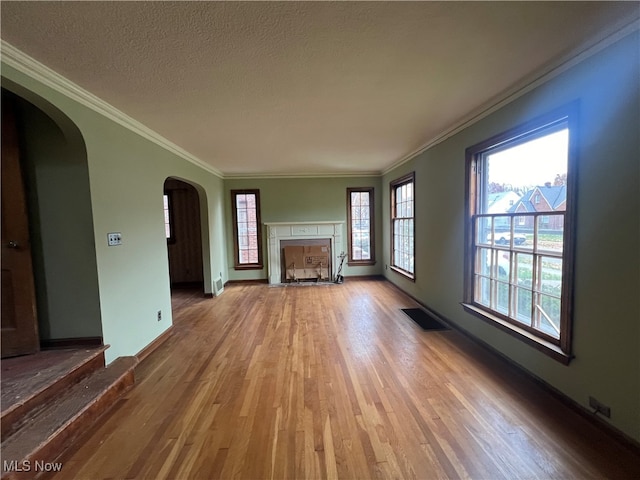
[(333, 382)]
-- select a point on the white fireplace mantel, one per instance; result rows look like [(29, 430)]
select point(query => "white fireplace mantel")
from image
[(277, 231)]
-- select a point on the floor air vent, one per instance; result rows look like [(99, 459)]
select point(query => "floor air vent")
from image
[(425, 319), (218, 286)]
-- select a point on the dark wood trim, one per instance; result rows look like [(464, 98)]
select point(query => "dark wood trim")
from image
[(359, 263), (547, 347), (372, 230), (403, 272), (71, 342), (236, 248), (560, 349), (408, 178), (149, 349), (629, 442)]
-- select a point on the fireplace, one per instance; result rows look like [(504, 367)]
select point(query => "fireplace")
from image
[(300, 231)]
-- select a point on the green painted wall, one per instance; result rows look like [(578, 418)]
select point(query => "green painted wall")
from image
[(606, 335), (63, 250), (300, 200), (126, 175)]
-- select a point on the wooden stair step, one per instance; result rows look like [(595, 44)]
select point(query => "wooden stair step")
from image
[(45, 435), (28, 383)]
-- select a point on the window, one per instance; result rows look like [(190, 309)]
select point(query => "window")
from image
[(168, 228), (519, 262), (360, 215), (247, 238), (402, 225)]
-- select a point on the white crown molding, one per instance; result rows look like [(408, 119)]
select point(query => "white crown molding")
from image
[(531, 82), (250, 176), (27, 65)]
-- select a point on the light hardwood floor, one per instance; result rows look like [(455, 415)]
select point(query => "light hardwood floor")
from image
[(334, 382)]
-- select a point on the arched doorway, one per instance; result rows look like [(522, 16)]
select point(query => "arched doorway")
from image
[(53, 160), (184, 231)]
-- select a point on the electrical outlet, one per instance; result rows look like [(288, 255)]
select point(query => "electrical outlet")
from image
[(159, 315), (599, 407)]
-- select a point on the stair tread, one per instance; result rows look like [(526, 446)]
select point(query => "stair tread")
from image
[(62, 410), (35, 372)]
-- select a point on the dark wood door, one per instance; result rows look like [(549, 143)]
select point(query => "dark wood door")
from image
[(19, 321)]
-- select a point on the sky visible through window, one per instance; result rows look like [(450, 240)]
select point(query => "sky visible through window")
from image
[(532, 163)]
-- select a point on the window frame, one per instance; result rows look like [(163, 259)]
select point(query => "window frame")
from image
[(236, 247), (394, 185), (171, 239), (560, 348), (372, 239)]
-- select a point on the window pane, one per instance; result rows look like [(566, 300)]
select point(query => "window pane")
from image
[(503, 264), (483, 230), (483, 262), (523, 232), (548, 315), (482, 291), (541, 161), (550, 233), (550, 276), (502, 303), (523, 305), (524, 271)]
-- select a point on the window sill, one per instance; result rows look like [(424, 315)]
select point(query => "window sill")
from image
[(361, 263), (253, 266), (404, 273), (539, 344)]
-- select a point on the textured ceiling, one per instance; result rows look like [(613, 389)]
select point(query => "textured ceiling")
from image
[(269, 88)]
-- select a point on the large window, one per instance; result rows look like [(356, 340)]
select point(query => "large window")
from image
[(247, 238), (360, 226), (520, 219), (402, 225)]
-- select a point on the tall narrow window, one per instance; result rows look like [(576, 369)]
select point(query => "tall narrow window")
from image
[(520, 258), (402, 225), (247, 229), (360, 225), (168, 228)]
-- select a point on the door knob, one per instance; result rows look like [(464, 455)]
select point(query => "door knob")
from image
[(12, 244)]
